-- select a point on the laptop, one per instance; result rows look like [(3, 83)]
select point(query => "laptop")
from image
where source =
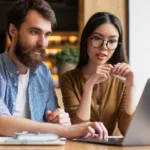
[(138, 132)]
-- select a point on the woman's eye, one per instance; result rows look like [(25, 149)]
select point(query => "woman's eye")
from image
[(112, 41), (96, 38)]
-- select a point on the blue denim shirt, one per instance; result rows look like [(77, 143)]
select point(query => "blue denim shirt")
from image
[(41, 94)]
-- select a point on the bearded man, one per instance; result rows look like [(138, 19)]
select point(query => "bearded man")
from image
[(27, 94)]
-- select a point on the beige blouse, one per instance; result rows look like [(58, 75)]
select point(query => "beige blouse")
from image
[(107, 103)]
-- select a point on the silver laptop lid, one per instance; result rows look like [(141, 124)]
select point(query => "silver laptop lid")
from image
[(138, 132)]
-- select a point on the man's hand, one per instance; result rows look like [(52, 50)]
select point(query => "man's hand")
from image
[(58, 116), (96, 129), (87, 130)]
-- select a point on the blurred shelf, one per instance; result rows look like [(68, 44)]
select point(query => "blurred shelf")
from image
[(66, 33), (60, 39), (59, 46)]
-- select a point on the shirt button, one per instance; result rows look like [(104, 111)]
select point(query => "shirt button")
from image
[(11, 74), (15, 84), (17, 72)]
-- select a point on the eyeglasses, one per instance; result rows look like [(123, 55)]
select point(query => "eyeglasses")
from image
[(98, 42)]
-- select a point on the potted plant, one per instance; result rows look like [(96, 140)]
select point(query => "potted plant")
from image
[(67, 59)]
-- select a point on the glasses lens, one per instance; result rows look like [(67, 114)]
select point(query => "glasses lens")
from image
[(96, 42), (112, 45)]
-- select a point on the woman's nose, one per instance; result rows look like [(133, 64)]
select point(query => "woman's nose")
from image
[(104, 45)]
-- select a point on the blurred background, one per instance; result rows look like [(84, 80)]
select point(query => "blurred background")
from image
[(71, 16)]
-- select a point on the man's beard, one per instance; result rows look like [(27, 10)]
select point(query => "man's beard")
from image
[(27, 57)]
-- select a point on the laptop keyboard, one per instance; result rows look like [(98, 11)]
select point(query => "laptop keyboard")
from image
[(111, 140)]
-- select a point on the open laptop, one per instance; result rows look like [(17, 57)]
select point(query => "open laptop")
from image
[(138, 132)]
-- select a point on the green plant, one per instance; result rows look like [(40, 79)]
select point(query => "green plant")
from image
[(68, 54)]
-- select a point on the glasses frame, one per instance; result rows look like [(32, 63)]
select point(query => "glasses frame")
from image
[(106, 43)]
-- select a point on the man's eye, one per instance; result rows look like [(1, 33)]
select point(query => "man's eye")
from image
[(47, 35), (34, 32)]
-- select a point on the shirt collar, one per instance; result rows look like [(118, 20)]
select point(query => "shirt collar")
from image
[(11, 67), (9, 64)]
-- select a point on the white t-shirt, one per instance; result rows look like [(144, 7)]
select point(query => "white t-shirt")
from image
[(22, 102)]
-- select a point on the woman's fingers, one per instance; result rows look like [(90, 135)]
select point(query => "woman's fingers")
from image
[(104, 70), (121, 69)]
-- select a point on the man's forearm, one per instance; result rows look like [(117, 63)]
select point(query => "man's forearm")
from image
[(10, 125)]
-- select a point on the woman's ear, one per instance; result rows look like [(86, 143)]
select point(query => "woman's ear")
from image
[(12, 31)]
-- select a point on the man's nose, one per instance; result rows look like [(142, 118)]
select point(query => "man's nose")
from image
[(42, 41)]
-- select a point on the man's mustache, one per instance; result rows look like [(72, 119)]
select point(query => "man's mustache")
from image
[(39, 49)]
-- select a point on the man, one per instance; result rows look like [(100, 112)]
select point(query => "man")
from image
[(27, 90)]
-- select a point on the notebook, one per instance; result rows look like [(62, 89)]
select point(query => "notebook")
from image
[(32, 139), (138, 132)]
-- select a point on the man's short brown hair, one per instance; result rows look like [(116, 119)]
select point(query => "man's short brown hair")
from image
[(20, 9)]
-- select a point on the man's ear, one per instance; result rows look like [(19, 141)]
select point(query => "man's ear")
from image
[(12, 31)]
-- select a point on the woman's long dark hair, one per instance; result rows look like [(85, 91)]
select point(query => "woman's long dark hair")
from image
[(95, 21)]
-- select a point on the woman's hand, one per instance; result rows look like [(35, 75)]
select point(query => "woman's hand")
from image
[(102, 73), (124, 70)]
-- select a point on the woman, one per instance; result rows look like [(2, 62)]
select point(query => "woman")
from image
[(102, 87)]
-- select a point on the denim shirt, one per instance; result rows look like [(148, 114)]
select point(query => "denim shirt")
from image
[(41, 94)]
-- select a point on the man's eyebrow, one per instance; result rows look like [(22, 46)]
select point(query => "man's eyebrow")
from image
[(39, 29), (34, 28)]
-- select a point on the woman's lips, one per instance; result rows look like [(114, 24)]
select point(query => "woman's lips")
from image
[(101, 56)]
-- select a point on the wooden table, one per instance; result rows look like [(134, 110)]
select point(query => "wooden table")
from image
[(72, 145)]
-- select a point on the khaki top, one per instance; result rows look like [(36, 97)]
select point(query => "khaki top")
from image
[(107, 103)]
